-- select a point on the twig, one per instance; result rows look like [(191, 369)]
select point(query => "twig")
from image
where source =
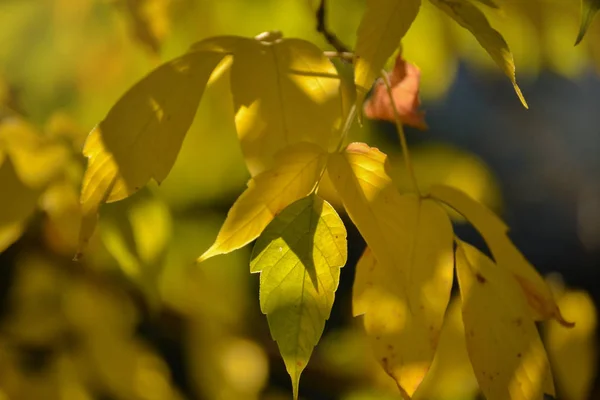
[(405, 152), (331, 38), (346, 56)]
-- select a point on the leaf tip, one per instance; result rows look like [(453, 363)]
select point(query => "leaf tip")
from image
[(203, 257), (213, 250), (561, 320), (520, 95), (580, 37), (296, 385)]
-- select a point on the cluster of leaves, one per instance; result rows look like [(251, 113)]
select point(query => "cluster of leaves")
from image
[(70, 330), (39, 171), (293, 110)]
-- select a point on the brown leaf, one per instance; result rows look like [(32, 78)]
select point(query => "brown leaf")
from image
[(404, 79)]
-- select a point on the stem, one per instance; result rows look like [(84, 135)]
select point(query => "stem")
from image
[(346, 56), (405, 152), (346, 127)]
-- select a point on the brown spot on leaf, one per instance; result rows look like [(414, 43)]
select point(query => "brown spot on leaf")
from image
[(518, 322), (480, 278), (546, 307), (519, 355)]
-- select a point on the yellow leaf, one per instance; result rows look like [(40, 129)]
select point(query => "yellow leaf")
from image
[(383, 25), (141, 136), (299, 256), (471, 18), (504, 346), (451, 375), (363, 284), (36, 159), (408, 287), (294, 175), (17, 203), (283, 93), (506, 255), (10, 234), (573, 352)]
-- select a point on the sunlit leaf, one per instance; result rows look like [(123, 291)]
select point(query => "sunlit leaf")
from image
[(451, 375), (294, 175), (574, 352), (36, 159), (589, 8), (141, 136), (409, 284), (383, 25), (471, 18), (9, 234), (363, 283), (283, 93), (504, 346), (299, 256), (443, 164), (506, 255)]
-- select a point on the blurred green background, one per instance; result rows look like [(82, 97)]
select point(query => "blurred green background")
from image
[(137, 319)]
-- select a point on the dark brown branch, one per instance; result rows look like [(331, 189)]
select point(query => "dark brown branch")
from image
[(331, 38)]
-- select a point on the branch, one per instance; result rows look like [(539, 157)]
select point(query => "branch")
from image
[(330, 37)]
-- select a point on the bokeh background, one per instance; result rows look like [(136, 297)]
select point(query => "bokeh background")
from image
[(136, 319)]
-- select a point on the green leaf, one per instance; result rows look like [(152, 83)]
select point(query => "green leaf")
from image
[(141, 136), (471, 18), (589, 8), (299, 256), (284, 93), (383, 25)]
